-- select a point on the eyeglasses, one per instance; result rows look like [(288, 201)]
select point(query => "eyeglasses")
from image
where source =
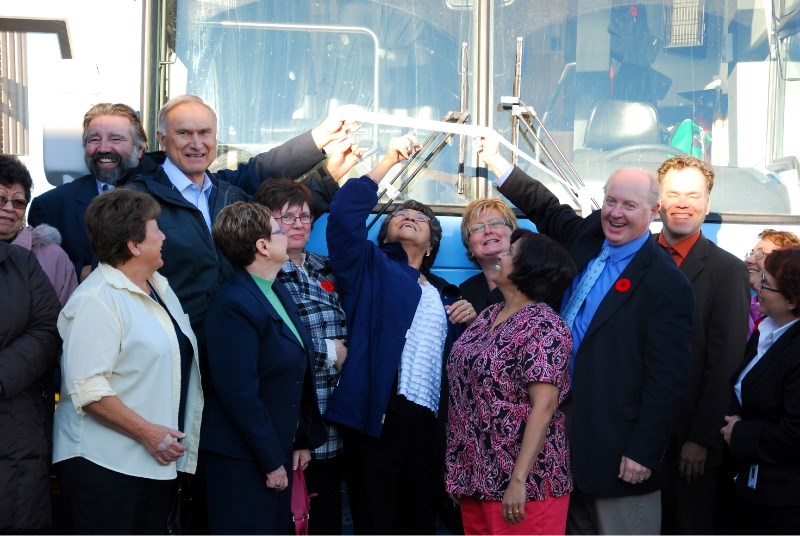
[(279, 230), (289, 219), (765, 287), (757, 255), (483, 227), (18, 204), (418, 217)]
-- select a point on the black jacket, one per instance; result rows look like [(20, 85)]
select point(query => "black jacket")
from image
[(29, 350), (769, 432)]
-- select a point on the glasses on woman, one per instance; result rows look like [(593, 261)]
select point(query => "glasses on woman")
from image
[(289, 219), (483, 227), (764, 285), (18, 204), (757, 255), (406, 214)]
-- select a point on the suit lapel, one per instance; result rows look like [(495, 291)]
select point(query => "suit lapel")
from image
[(776, 351), (86, 192), (695, 262), (291, 310), (613, 300), (270, 311)]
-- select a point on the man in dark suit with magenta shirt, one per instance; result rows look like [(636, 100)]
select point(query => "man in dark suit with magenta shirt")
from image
[(631, 312)]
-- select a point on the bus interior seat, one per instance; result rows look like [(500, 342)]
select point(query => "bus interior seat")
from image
[(616, 123), (62, 152)]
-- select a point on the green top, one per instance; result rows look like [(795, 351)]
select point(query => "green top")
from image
[(266, 287)]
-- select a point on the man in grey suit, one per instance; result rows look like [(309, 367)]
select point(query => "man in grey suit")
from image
[(718, 338)]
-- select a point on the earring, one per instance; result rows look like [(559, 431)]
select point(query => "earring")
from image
[(138, 253), (428, 253), (497, 267)]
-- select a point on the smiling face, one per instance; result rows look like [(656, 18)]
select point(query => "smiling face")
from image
[(297, 233), (685, 203), (11, 218), (755, 261), (771, 300), (150, 248), (404, 228), (492, 239), (627, 211), (505, 260), (110, 148), (190, 139)]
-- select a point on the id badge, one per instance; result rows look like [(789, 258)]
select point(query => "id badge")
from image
[(752, 476)]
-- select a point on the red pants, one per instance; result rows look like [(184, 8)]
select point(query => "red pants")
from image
[(541, 517)]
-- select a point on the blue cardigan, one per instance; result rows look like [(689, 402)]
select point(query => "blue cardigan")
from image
[(380, 293)]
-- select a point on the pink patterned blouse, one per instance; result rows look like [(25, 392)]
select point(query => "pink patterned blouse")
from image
[(488, 374)]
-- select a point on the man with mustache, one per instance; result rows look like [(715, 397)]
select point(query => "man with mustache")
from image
[(113, 141)]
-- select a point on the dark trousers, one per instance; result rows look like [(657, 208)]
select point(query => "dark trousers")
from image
[(97, 500), (689, 508), (764, 519), (239, 501), (392, 480), (324, 484)]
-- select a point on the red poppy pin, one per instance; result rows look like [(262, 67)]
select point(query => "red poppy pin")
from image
[(622, 285), (327, 286)]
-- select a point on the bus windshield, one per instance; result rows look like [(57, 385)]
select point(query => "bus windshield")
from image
[(610, 84)]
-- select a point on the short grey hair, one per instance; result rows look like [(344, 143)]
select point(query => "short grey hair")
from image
[(173, 103)]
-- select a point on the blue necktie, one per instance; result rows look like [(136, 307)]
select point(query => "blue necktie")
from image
[(106, 187), (584, 286)]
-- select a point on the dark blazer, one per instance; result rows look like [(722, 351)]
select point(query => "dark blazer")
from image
[(769, 432), (192, 263), (476, 291), (64, 208), (260, 403), (631, 370), (719, 332)]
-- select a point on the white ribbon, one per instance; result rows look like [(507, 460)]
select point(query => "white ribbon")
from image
[(356, 113)]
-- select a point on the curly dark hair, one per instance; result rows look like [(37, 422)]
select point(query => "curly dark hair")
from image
[(543, 269), (13, 171), (436, 231), (784, 266)]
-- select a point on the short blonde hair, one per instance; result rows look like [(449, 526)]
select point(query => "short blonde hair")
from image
[(474, 211), (681, 162)]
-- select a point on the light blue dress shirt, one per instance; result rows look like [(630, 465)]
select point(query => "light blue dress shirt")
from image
[(190, 191)]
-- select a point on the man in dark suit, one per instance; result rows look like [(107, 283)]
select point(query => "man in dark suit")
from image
[(630, 328), (113, 141), (718, 339), (191, 196)]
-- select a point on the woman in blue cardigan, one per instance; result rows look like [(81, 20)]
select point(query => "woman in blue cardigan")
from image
[(402, 320)]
